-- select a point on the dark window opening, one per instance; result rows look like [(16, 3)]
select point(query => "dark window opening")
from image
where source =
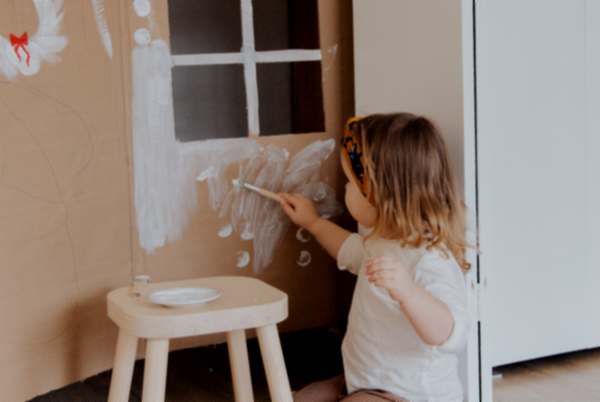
[(286, 24), (205, 26), (209, 102), (290, 98)]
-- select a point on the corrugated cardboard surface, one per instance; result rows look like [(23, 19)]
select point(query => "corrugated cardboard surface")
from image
[(67, 216)]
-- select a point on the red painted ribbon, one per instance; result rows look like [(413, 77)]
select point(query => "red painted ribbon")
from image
[(20, 43)]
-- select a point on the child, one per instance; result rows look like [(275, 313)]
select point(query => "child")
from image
[(408, 318)]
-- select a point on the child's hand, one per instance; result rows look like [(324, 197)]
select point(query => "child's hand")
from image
[(300, 209), (391, 274)]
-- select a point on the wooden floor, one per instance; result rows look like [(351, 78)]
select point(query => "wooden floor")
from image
[(203, 374), (568, 377)]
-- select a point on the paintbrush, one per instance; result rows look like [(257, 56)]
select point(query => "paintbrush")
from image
[(261, 191)]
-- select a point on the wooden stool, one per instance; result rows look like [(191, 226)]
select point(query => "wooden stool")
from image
[(244, 303)]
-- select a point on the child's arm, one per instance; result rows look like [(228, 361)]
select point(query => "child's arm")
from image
[(302, 212), (429, 316)]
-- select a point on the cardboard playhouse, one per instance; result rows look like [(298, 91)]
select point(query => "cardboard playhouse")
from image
[(122, 124)]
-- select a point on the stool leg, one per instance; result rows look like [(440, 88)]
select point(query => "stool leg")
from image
[(120, 383), (155, 370), (270, 349), (240, 367)]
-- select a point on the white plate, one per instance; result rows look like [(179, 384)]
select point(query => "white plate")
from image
[(183, 297)]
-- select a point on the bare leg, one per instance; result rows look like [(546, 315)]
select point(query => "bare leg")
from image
[(331, 390)]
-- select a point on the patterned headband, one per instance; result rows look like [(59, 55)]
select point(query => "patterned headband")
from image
[(353, 156)]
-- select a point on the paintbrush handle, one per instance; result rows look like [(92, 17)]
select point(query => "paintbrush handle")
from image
[(270, 194)]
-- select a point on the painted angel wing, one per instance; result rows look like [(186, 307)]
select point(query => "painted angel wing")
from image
[(47, 42), (43, 45)]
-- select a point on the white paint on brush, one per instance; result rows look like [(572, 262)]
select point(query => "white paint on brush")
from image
[(142, 7), (42, 46), (304, 259), (243, 259), (102, 26), (300, 235), (142, 37), (226, 230)]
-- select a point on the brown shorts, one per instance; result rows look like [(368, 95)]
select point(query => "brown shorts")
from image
[(334, 390)]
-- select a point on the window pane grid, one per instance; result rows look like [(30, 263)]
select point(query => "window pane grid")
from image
[(249, 57)]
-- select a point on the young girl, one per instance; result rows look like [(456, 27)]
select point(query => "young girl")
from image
[(408, 318)]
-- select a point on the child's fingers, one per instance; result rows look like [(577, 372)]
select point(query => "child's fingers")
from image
[(287, 208), (381, 275), (285, 196), (382, 258), (381, 266)]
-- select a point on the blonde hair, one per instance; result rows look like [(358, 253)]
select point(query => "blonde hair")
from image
[(411, 176)]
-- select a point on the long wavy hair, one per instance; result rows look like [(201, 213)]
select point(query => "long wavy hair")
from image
[(411, 176)]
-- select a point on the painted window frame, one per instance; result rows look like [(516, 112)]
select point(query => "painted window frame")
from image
[(249, 57)]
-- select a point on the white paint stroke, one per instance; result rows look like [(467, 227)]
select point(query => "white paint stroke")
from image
[(165, 192), (142, 7), (250, 77), (102, 26), (207, 59), (301, 237), (243, 258), (142, 37), (304, 259), (261, 217), (278, 56), (42, 46), (275, 56), (333, 51), (226, 230)]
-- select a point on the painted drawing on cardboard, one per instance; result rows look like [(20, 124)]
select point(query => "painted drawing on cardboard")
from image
[(165, 169), (23, 52)]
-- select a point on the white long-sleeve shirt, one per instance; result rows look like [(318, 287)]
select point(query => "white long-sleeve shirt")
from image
[(381, 349)]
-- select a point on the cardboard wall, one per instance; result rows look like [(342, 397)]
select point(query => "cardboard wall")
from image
[(68, 230)]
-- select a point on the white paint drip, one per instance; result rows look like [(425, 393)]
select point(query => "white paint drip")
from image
[(301, 237), (333, 51), (142, 37), (226, 230), (304, 259), (165, 191), (142, 7), (42, 46), (243, 258), (102, 26)]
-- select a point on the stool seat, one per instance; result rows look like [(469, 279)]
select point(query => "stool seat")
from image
[(244, 303)]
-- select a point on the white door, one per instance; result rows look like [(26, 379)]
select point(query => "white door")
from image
[(538, 111)]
